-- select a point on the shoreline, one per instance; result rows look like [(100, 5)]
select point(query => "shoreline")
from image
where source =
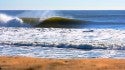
[(31, 63)]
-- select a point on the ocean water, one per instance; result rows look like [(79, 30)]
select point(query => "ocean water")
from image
[(102, 37)]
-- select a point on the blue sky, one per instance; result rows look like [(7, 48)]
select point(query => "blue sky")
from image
[(62, 4)]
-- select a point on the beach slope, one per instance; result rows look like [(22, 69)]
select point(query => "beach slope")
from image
[(28, 63)]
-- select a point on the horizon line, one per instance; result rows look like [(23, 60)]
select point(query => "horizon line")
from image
[(62, 9)]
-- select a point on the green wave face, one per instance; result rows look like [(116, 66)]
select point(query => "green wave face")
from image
[(55, 22), (31, 21)]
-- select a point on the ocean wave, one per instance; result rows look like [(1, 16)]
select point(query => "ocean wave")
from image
[(10, 21), (85, 39), (55, 22)]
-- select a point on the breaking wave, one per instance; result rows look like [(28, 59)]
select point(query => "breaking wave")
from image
[(10, 21)]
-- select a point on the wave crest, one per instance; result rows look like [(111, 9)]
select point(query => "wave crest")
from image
[(10, 21)]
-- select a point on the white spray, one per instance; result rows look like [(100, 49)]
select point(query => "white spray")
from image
[(11, 21), (6, 18), (48, 14), (43, 14)]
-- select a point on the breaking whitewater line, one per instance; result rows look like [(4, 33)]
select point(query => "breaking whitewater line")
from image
[(10, 21)]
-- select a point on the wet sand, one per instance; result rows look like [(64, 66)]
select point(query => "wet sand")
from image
[(28, 63)]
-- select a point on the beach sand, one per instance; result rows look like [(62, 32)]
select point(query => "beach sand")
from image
[(29, 63)]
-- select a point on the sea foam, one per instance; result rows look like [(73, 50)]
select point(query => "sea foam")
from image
[(64, 38), (62, 43)]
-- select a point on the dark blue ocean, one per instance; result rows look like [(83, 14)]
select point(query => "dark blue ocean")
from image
[(98, 18), (103, 36)]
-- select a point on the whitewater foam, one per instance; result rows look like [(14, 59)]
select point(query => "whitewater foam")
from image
[(61, 53), (11, 21), (62, 43), (6, 18), (64, 38)]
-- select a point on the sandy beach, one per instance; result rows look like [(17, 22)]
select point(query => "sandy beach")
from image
[(29, 63)]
